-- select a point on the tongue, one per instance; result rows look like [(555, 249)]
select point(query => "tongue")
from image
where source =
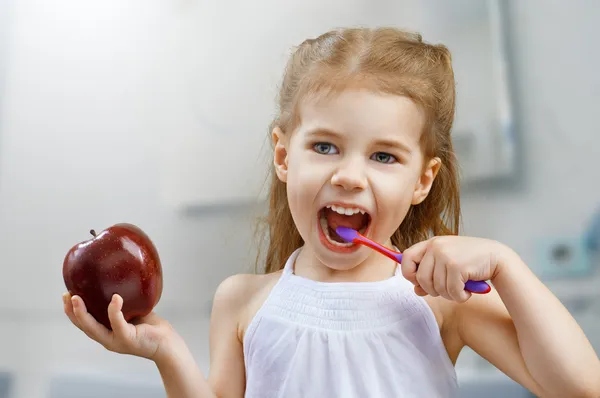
[(334, 220)]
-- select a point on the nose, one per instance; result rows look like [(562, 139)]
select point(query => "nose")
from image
[(350, 175)]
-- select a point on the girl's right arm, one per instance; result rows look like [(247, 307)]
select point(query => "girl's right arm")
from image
[(154, 338)]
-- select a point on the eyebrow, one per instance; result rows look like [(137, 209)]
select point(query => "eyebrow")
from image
[(324, 132), (391, 143)]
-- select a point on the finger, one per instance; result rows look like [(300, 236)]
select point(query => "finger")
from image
[(92, 328), (425, 274), (455, 285), (439, 279), (68, 308), (419, 291), (117, 320), (411, 259)]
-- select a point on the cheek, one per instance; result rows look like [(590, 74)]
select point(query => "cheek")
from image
[(304, 173), (303, 186), (393, 195)]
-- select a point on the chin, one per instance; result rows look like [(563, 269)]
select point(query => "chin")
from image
[(340, 261)]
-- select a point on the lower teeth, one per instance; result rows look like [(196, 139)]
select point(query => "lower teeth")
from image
[(325, 229)]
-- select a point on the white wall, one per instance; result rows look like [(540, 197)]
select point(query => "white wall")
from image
[(78, 93), (81, 133), (558, 85)]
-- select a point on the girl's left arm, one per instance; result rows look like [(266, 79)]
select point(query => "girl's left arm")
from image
[(525, 331)]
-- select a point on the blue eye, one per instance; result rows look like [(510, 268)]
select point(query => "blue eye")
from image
[(324, 148), (383, 157)]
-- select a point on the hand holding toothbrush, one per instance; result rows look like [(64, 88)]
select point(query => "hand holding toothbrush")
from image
[(453, 267), (444, 265)]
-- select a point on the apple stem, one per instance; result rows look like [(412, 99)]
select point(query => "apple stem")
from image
[(93, 232)]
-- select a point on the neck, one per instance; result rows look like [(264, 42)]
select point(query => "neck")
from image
[(375, 267)]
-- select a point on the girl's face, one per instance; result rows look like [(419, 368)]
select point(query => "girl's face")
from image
[(354, 160)]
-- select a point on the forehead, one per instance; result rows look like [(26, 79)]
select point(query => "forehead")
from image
[(365, 112)]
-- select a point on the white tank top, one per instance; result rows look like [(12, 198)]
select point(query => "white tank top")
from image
[(345, 339)]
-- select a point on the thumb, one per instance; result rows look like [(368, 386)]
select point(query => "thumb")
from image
[(460, 295), (411, 259)]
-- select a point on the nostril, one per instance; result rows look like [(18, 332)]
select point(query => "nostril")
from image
[(348, 183)]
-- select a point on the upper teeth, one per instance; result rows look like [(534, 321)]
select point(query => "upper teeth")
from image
[(346, 211)]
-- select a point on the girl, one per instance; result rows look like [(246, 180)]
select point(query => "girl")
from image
[(362, 140)]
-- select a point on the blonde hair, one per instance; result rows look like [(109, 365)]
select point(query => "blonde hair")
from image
[(385, 60)]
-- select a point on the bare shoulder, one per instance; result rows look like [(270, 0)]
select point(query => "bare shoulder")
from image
[(242, 295), (236, 288), (235, 298)]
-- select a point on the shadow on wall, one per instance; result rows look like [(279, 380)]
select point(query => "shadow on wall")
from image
[(494, 389), (78, 386), (5, 385)]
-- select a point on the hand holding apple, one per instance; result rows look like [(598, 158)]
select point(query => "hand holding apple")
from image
[(119, 260), (151, 337)]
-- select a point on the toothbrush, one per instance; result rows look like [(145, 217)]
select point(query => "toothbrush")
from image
[(351, 235)]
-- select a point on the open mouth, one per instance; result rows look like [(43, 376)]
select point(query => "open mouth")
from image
[(331, 217)]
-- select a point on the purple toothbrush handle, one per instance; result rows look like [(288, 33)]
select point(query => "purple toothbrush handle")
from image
[(477, 287)]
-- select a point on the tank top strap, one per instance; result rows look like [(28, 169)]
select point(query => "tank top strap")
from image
[(288, 268)]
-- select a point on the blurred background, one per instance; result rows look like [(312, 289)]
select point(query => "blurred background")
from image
[(155, 112)]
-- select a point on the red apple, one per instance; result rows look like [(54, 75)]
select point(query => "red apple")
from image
[(121, 259)]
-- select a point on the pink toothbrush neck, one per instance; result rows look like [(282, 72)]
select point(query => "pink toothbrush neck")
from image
[(381, 249)]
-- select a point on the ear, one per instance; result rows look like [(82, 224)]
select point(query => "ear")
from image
[(280, 158), (426, 180)]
